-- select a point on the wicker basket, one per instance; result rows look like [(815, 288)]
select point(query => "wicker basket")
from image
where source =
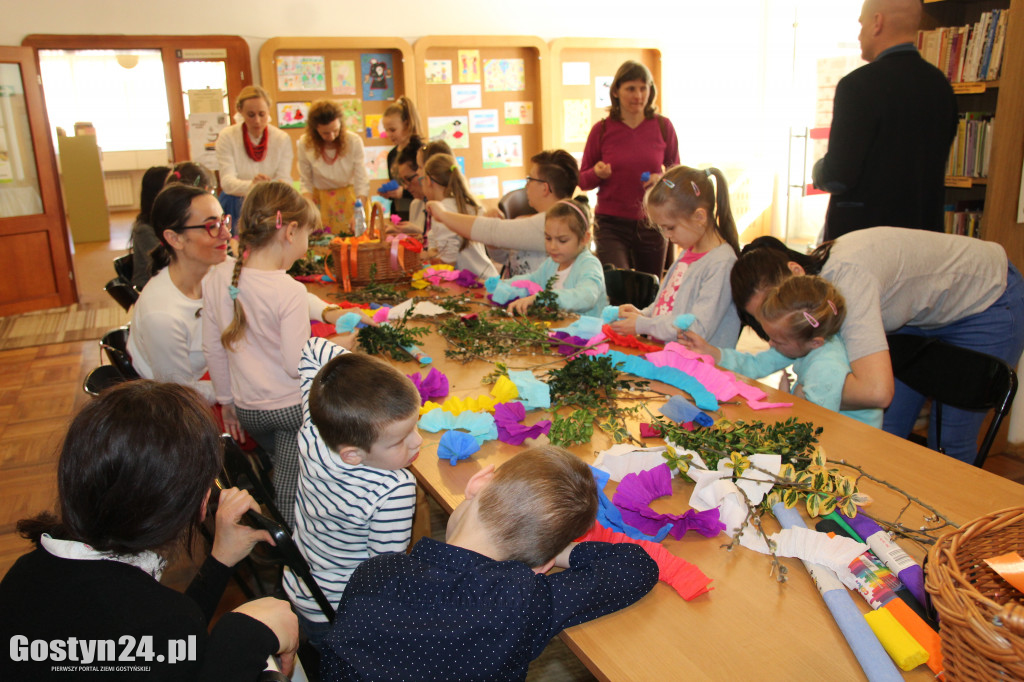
[(388, 259), (981, 615)]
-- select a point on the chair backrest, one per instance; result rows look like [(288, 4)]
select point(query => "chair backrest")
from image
[(243, 470), (101, 378), (115, 345), (122, 292), (117, 338), (124, 266), (630, 286), (957, 377), (515, 204)]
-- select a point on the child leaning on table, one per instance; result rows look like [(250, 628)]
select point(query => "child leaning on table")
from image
[(481, 607), (355, 497), (802, 318)]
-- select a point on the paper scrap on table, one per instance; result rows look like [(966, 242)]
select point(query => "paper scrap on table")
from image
[(533, 392), (586, 326), (635, 493), (632, 364), (479, 424), (508, 417), (681, 410), (609, 516), (424, 308), (433, 385), (624, 458), (456, 446)]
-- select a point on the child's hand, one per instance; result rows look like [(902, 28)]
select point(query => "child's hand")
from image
[(436, 210), (231, 425), (521, 305), (232, 541), (627, 309), (798, 391), (627, 325), (348, 340), (562, 560), (695, 342), (784, 382), (603, 170)]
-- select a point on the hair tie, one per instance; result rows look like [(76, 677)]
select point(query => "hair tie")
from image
[(279, 223), (707, 172), (811, 320), (177, 174), (232, 292), (832, 306), (578, 210), (696, 190), (454, 167)]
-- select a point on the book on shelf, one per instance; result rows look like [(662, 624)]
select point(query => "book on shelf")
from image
[(969, 53), (963, 218), (971, 150)]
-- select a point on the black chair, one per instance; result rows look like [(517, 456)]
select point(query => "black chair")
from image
[(115, 345), (122, 292), (101, 378), (124, 266), (958, 377), (630, 286), (515, 204), (245, 470)]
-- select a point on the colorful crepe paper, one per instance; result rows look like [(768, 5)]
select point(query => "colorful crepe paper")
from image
[(610, 516), (585, 326), (456, 446), (684, 321), (507, 416), (685, 578), (635, 493), (628, 340), (506, 291), (681, 410), (570, 344), (433, 385), (504, 391), (533, 392), (347, 322), (479, 424), (610, 313), (632, 364)]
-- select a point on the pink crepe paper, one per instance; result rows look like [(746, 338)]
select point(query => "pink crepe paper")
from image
[(685, 578), (381, 314), (434, 385), (634, 495), (648, 431), (508, 417), (758, 405), (531, 287)]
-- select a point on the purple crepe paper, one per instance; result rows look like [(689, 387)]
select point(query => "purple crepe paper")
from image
[(565, 348), (635, 493), (508, 417), (467, 279), (434, 385)]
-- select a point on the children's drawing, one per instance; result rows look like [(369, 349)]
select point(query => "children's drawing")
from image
[(343, 77), (575, 73), (485, 187), (298, 73), (292, 114), (378, 83), (439, 71), (518, 113), (483, 121), (376, 162), (352, 114), (469, 66), (576, 120), (602, 91), (466, 97), (505, 151), (504, 75), (450, 129), (374, 127), (512, 185)]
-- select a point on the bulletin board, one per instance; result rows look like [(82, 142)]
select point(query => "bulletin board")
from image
[(484, 96), (581, 69), (365, 75)]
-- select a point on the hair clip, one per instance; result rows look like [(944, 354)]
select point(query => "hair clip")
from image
[(279, 223), (176, 174), (233, 292), (810, 320), (696, 190), (832, 306), (669, 183), (195, 182)]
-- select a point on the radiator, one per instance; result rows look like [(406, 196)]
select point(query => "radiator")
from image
[(119, 188)]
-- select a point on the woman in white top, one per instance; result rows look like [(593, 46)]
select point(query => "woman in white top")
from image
[(251, 151), (332, 166), (553, 176)]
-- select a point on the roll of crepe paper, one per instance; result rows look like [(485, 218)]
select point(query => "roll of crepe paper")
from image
[(925, 636), (862, 641), (684, 321), (902, 647), (891, 554)]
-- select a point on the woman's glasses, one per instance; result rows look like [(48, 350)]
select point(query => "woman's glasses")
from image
[(212, 227)]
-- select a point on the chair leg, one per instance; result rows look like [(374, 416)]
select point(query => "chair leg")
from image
[(937, 416)]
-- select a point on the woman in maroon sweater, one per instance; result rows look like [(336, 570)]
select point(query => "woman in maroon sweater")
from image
[(626, 153)]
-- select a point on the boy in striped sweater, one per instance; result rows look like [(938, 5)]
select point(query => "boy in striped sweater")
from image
[(355, 496)]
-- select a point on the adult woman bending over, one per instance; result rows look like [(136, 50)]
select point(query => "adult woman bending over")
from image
[(631, 142), (133, 482), (553, 176), (251, 151), (332, 166), (898, 281)]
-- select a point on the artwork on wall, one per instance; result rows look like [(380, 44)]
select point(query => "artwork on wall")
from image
[(485, 187), (602, 91), (575, 73), (343, 77), (466, 97), (438, 71), (374, 127), (378, 78), (292, 114), (518, 113), (376, 162), (352, 114), (300, 73), (483, 121), (450, 129), (576, 120), (469, 66), (505, 151), (504, 75)]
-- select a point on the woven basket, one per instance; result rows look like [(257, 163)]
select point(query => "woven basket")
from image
[(388, 259), (981, 615)]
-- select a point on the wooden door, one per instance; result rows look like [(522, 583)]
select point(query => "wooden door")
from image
[(36, 270)]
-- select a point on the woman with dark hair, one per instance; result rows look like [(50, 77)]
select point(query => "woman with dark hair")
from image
[(626, 154), (332, 167), (144, 239), (898, 281), (133, 482)]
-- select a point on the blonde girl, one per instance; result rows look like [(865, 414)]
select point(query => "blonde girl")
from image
[(802, 318), (251, 150), (401, 124), (443, 183), (331, 166), (255, 322), (579, 283), (684, 204)]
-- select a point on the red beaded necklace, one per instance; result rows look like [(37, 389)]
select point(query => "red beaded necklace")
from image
[(256, 152), (330, 161)]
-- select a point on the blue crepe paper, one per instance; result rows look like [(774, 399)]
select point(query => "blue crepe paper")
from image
[(347, 322), (684, 321), (504, 292), (681, 410), (456, 446), (490, 283), (479, 424), (636, 365), (586, 327), (533, 393), (609, 516), (610, 313)]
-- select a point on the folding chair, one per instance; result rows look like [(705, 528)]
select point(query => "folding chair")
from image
[(124, 266), (101, 378), (515, 204), (122, 292), (958, 377), (244, 470), (115, 345), (630, 286)]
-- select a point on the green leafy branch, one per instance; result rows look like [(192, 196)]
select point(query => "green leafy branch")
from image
[(392, 338), (595, 387)]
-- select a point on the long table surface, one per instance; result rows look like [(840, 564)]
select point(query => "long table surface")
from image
[(749, 626)]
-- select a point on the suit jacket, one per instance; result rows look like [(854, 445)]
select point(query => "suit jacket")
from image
[(892, 124)]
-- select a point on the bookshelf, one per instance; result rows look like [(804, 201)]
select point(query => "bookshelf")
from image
[(1004, 97)]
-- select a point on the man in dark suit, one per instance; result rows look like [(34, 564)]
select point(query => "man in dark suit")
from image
[(892, 124)]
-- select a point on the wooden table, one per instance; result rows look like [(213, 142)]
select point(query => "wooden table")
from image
[(749, 626)]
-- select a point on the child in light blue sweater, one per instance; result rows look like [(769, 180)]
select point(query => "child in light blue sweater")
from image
[(579, 283), (802, 318)]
